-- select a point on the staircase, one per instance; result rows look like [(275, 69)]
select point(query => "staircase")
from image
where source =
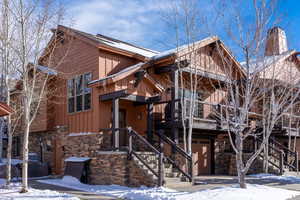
[(153, 162), (280, 157)]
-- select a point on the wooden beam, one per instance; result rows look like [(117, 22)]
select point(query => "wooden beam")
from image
[(135, 98), (165, 69), (113, 95), (139, 75), (115, 123), (172, 67), (149, 100), (150, 123), (174, 103)]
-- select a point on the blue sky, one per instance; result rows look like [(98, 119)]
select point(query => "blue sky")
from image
[(143, 23)]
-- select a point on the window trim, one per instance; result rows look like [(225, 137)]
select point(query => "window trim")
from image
[(75, 94)]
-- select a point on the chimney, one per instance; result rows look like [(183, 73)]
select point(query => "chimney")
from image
[(276, 42)]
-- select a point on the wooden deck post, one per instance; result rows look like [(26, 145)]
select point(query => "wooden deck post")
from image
[(129, 145), (115, 123), (150, 122), (174, 103), (161, 166), (297, 162), (281, 162)]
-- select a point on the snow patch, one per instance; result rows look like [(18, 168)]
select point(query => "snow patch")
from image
[(3, 161), (82, 133), (77, 159), (12, 193), (283, 178), (161, 193)]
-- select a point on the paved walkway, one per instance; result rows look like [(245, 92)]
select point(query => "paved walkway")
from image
[(80, 194), (201, 183), (210, 182)]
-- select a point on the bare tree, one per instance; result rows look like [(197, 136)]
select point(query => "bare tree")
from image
[(252, 87), (32, 21)]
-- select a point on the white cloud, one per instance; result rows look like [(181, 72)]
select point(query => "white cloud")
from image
[(132, 21)]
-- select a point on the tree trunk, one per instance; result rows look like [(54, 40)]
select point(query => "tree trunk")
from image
[(2, 124), (25, 151), (239, 162), (242, 180), (9, 149)]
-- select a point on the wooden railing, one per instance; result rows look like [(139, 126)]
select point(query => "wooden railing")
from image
[(276, 154), (177, 150), (290, 157), (137, 139), (290, 122), (281, 154)]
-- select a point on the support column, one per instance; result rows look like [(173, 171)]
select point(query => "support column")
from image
[(115, 123), (174, 104), (150, 122)]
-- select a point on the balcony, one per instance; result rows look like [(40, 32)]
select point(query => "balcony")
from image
[(207, 115)]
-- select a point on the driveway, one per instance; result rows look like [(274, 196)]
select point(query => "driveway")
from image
[(80, 194)]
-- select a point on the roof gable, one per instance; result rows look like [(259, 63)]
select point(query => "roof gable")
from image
[(111, 44)]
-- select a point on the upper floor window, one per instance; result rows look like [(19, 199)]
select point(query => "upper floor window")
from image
[(79, 95)]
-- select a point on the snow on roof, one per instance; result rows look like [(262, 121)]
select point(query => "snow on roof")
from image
[(47, 70), (108, 41), (125, 46), (77, 159), (177, 49), (127, 69), (257, 65)]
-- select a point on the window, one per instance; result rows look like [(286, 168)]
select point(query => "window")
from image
[(79, 95)]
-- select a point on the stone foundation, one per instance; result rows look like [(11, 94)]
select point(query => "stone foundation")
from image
[(106, 166)]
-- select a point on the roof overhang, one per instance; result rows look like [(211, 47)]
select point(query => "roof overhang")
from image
[(5, 109)]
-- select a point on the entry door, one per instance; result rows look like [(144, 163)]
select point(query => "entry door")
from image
[(122, 124), (204, 156)]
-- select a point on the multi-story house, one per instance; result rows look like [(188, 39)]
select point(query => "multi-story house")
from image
[(119, 107)]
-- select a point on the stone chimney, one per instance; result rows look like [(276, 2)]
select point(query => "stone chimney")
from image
[(276, 42)]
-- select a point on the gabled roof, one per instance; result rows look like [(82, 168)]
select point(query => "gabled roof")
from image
[(172, 52), (258, 65), (164, 55), (111, 44), (119, 75)]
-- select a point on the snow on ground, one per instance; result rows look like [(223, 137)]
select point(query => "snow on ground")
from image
[(283, 178), (13, 161), (161, 193), (12, 193)]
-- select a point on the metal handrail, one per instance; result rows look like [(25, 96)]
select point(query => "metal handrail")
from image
[(282, 154), (178, 149), (160, 155)]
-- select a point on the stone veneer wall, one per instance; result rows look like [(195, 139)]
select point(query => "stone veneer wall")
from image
[(225, 161), (106, 166), (45, 140)]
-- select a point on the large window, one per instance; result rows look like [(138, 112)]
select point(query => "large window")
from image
[(79, 95)]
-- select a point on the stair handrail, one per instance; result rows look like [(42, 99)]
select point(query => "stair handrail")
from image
[(282, 146), (178, 149), (282, 154), (160, 173)]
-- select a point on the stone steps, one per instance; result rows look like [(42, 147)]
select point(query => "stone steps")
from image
[(152, 160)]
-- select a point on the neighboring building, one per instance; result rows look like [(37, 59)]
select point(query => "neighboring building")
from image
[(105, 85)]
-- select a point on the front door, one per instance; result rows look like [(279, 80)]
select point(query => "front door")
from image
[(122, 124), (202, 147)]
